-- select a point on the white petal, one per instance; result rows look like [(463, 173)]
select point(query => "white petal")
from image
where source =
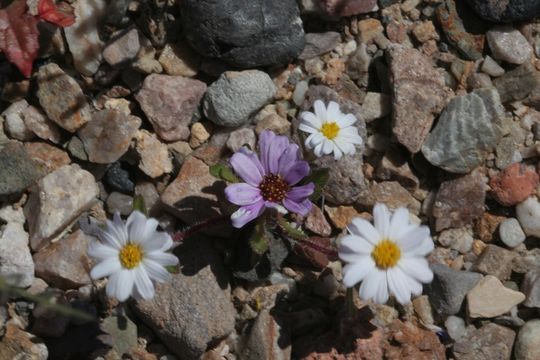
[(346, 120), (423, 249), (159, 241), (308, 128), (100, 251), (417, 268), (375, 286), (338, 154), (357, 244), (320, 109), (318, 150), (106, 268), (144, 285), (162, 258), (136, 225), (310, 118), (354, 273), (399, 223), (116, 230), (124, 285), (155, 271), (413, 238), (363, 228), (381, 219), (398, 285), (332, 112), (328, 146), (414, 285)]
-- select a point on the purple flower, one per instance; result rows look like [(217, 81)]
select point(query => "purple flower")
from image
[(270, 181)]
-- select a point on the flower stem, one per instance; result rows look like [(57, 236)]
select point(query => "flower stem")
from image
[(179, 236), (349, 303)]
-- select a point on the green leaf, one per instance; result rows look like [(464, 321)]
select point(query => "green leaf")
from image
[(319, 177), (138, 204), (258, 240), (223, 172), (173, 269), (291, 231)]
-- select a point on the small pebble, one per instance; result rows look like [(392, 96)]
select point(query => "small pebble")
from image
[(511, 233)]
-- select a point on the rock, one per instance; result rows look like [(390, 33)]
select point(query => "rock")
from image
[(346, 180), (233, 98), (394, 166), (122, 331), (341, 216), (83, 36), (514, 184), (14, 124), (122, 48), (169, 103), (419, 94), (179, 60), (319, 43), (490, 67), (268, 340), (19, 171), (369, 29), (348, 7), (194, 309), (528, 213), (36, 121), (16, 265), (199, 134), (64, 264), (527, 261), (519, 83), (425, 31), (118, 179), (241, 137), (375, 106), (48, 322), (107, 137), (511, 233), (275, 123), (455, 326), (531, 288), (449, 288), (260, 33), (119, 202), (459, 201), (62, 98), (495, 261), (18, 344), (527, 345), (471, 46), (508, 44), (75, 147), (457, 239), (506, 11), (469, 127), (490, 298), (154, 155), (490, 342), (49, 210), (316, 222), (193, 195), (392, 194), (47, 156)]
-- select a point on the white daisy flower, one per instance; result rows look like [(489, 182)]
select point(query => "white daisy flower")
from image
[(330, 130), (133, 255), (388, 258)]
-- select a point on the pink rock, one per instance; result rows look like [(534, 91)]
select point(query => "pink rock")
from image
[(514, 184), (348, 7)]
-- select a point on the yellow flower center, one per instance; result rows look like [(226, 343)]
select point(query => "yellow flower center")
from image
[(386, 254), (330, 130), (130, 256)]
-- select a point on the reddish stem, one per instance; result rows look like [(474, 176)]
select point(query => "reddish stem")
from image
[(179, 236)]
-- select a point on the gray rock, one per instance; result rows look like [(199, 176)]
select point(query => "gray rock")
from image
[(495, 261), (449, 288), (122, 331), (19, 171), (48, 322), (244, 34), (506, 11), (83, 36), (319, 43), (419, 94), (455, 326), (490, 298), (518, 84), (14, 124), (508, 44), (64, 264), (16, 265), (119, 202), (375, 106), (169, 103), (511, 233), (457, 239), (39, 124), (194, 309), (241, 137), (528, 213), (531, 288), (62, 98), (490, 342), (49, 210), (526, 261), (490, 67), (108, 136), (527, 345), (268, 339), (469, 127), (346, 179), (123, 48), (233, 98)]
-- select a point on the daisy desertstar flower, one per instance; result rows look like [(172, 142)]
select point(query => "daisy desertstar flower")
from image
[(133, 255), (387, 257), (271, 181), (330, 130)]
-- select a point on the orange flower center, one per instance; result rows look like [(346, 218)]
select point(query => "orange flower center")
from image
[(330, 130), (130, 256), (273, 188), (386, 254)]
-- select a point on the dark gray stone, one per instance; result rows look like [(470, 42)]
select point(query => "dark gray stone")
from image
[(469, 127), (506, 11), (531, 288), (244, 33), (319, 43), (518, 84), (19, 171), (118, 179), (268, 340), (449, 288)]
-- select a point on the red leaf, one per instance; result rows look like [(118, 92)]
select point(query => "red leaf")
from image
[(60, 14), (19, 36)]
